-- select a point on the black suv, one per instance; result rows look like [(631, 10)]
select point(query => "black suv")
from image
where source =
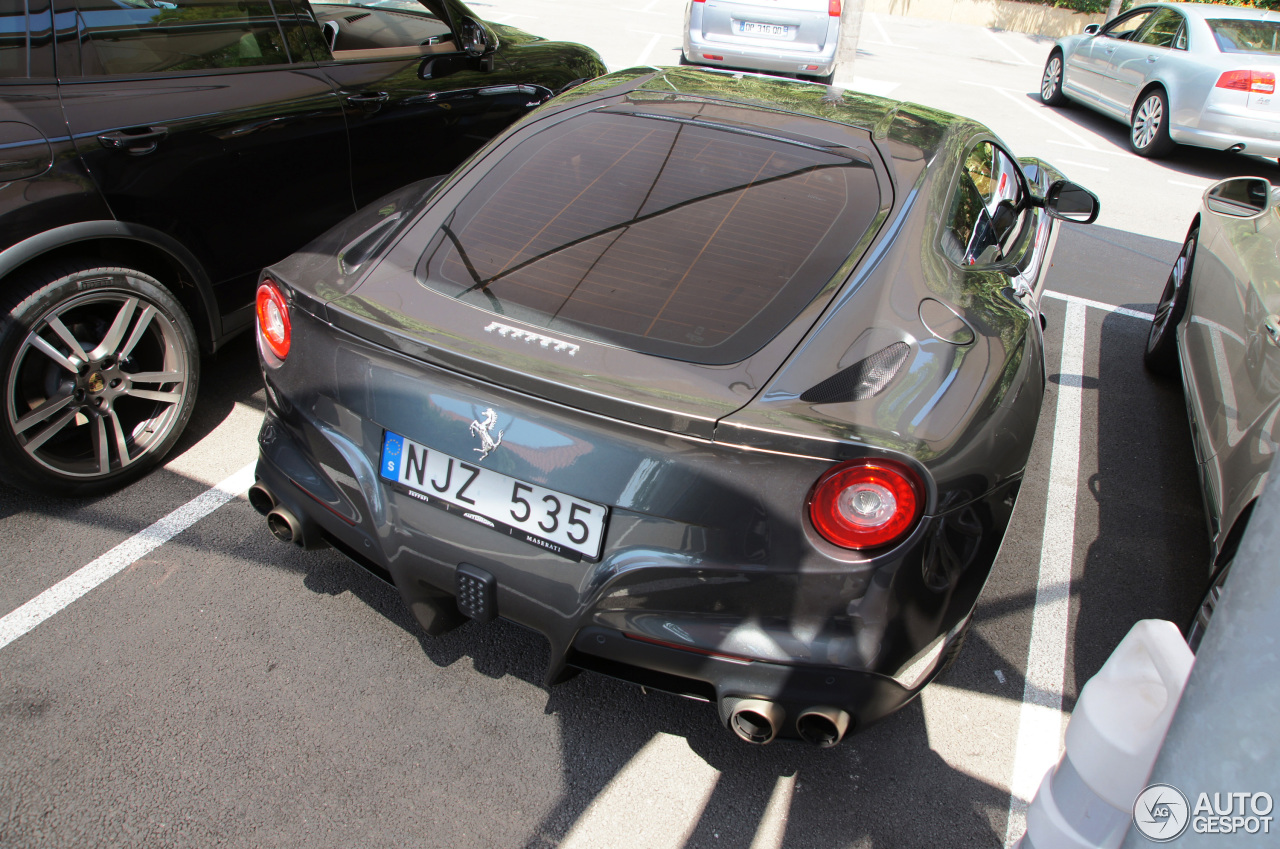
[(155, 154)]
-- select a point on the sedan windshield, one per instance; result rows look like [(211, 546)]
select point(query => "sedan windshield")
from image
[(666, 235), (1244, 36)]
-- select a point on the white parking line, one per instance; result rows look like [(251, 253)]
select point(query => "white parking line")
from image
[(28, 616), (1021, 59), (1092, 149), (1040, 719), (1084, 165), (1098, 305), (1043, 114), (644, 54)]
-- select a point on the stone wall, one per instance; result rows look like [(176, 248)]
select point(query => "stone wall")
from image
[(999, 14)]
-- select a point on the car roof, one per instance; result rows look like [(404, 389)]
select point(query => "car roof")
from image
[(917, 131), (1206, 11)]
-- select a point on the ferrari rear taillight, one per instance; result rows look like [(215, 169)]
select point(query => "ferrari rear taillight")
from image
[(273, 319), (833, 8), (866, 503), (1261, 82)]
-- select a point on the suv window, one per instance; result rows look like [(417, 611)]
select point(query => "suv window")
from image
[(149, 36), (669, 236), (988, 209), (25, 40)]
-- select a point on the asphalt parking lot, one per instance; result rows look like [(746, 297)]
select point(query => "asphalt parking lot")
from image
[(222, 689)]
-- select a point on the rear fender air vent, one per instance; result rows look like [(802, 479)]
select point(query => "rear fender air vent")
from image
[(863, 379)]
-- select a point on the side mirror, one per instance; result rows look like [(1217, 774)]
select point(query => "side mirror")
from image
[(1092, 29), (1240, 197), (473, 38), (1070, 202)]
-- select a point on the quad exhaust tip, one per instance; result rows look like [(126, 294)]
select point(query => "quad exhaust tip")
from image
[(823, 726), (261, 499), (756, 721), (284, 525)]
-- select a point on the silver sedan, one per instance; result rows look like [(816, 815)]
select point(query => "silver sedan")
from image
[(1177, 73)]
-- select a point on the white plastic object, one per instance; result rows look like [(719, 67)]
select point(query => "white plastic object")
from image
[(1114, 735)]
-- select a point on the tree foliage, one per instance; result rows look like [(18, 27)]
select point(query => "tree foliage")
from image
[(1101, 5)]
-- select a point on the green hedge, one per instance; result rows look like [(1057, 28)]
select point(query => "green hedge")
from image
[(1101, 5)]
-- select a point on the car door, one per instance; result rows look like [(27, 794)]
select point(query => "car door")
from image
[(1131, 63), (34, 144), (206, 120), (1090, 66), (417, 102), (1230, 352)]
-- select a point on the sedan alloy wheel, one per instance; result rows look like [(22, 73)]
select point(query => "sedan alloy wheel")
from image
[(1051, 82), (1149, 133)]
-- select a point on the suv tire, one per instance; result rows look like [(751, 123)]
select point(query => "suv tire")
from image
[(99, 368)]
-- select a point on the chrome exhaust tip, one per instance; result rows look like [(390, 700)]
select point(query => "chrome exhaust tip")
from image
[(756, 721), (284, 526), (261, 499), (823, 726), (1236, 148)]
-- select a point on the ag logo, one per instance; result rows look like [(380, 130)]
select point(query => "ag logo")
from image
[(1161, 813)]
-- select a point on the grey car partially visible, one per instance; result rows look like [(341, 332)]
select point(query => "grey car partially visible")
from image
[(1218, 324), (793, 37), (1177, 73)]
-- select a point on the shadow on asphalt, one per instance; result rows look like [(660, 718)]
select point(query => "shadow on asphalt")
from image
[(1186, 160)]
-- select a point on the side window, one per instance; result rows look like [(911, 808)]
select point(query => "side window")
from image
[(13, 41), (150, 36), (1162, 29), (26, 39), (360, 29), (1126, 26), (988, 210)]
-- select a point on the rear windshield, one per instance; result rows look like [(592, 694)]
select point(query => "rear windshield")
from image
[(666, 236), (1243, 36)]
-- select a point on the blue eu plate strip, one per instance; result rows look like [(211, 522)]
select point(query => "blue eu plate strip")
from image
[(392, 448)]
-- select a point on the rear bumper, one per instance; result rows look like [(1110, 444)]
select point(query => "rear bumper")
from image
[(659, 617), (1221, 127), (760, 55)]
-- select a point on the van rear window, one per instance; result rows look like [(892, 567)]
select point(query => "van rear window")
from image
[(664, 235)]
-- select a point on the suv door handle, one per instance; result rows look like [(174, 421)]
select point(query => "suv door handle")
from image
[(1271, 327), (137, 141), (369, 100)]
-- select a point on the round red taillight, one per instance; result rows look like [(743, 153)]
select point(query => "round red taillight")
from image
[(273, 319), (866, 503)]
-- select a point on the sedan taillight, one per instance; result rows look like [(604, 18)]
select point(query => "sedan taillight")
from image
[(866, 503), (833, 8), (1262, 82), (273, 319)]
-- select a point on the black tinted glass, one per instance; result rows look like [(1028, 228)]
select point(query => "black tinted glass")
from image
[(665, 236), (146, 36), (1240, 36), (13, 40)]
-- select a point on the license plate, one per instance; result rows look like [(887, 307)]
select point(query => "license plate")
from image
[(543, 517), (769, 30)]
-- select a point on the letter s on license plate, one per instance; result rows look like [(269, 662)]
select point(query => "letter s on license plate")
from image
[(543, 517)]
